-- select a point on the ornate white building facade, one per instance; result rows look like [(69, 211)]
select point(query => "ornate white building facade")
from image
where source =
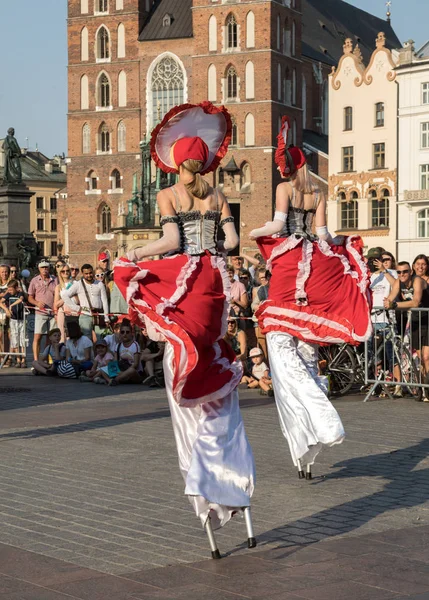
[(412, 74), (363, 145)]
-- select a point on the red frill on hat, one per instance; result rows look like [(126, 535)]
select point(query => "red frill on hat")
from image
[(288, 159), (189, 120)]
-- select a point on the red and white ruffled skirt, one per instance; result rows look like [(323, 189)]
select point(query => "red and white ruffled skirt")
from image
[(318, 292), (184, 300)]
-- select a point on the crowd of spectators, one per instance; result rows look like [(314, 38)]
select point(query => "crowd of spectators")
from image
[(81, 328), (80, 319)]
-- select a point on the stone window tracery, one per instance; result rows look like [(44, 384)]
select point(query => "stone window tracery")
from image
[(231, 83), (105, 219), (231, 32), (103, 44), (104, 139), (104, 91), (167, 87)]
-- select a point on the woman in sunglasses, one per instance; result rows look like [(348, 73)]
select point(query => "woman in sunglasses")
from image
[(318, 295), (65, 309), (183, 300)]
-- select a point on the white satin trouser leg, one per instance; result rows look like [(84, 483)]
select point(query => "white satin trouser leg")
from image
[(215, 457), (307, 418)]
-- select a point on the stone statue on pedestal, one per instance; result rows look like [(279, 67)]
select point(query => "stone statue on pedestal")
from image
[(12, 162), (28, 252)]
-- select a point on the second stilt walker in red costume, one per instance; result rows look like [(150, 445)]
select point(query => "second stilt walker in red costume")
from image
[(318, 296), (183, 300)]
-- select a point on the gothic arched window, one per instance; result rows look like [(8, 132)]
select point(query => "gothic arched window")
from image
[(104, 91), (86, 139), (116, 180), (103, 44), (168, 84), (231, 32), (104, 138), (105, 219), (122, 137), (231, 84)]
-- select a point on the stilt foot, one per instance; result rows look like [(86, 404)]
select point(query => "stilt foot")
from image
[(301, 475), (251, 542), (216, 554), (308, 473)]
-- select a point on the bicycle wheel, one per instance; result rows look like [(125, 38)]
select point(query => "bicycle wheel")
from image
[(341, 367), (410, 374)]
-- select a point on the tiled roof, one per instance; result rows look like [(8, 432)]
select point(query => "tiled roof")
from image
[(316, 140), (33, 169), (180, 12), (327, 23)]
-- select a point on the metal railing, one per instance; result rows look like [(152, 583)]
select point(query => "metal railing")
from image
[(395, 356)]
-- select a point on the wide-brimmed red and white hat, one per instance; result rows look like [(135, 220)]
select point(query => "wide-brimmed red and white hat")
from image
[(291, 158), (191, 131)]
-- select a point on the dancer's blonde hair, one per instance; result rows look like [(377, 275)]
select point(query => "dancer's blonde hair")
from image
[(303, 181), (198, 186)]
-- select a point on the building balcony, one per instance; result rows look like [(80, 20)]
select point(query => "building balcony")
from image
[(416, 195)]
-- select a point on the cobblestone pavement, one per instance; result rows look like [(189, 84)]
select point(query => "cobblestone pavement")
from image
[(90, 493)]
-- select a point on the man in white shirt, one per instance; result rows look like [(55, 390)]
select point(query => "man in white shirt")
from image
[(382, 279), (94, 306)]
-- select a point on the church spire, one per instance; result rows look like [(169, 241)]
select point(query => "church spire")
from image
[(388, 13)]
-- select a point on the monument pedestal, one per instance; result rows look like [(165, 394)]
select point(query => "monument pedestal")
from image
[(14, 219)]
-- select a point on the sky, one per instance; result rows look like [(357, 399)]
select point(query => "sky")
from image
[(33, 64)]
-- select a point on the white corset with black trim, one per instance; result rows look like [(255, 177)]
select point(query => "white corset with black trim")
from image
[(299, 222), (198, 231)]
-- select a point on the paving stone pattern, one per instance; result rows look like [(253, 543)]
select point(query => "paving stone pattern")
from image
[(90, 491)]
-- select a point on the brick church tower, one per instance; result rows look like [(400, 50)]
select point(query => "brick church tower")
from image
[(130, 61)]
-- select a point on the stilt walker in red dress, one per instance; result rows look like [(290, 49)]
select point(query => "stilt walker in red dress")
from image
[(183, 300), (318, 296)]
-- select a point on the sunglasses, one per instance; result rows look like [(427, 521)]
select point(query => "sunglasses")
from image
[(74, 268), (386, 259), (403, 272), (13, 270), (231, 322), (99, 275), (125, 332), (65, 271)]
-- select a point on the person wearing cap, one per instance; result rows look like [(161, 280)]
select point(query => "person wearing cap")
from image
[(103, 264), (41, 294), (318, 295), (183, 300), (260, 377), (103, 357)]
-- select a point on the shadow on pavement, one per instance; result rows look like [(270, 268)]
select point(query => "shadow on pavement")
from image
[(405, 488)]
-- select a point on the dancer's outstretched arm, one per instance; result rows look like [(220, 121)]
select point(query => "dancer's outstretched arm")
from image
[(170, 239), (280, 216)]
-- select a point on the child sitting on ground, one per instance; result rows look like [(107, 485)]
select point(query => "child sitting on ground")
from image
[(260, 377), (53, 354), (103, 357)]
